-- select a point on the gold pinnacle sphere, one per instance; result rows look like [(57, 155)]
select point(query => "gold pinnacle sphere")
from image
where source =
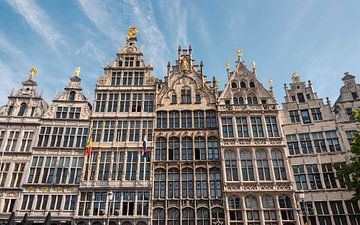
[(239, 53), (271, 83), (77, 71)]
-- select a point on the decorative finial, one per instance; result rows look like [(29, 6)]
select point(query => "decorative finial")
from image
[(107, 62), (227, 65), (295, 75), (56, 94), (77, 71), (239, 53), (217, 84), (271, 83), (33, 71), (151, 62), (253, 64), (132, 33)]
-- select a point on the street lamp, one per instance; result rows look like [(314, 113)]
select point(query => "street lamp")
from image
[(302, 197), (110, 198)]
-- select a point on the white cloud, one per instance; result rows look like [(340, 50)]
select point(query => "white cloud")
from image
[(113, 17), (37, 19), (175, 20)]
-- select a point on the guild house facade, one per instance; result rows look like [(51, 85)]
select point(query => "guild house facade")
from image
[(177, 151)]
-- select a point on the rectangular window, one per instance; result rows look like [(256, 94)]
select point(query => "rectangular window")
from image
[(349, 112), (350, 135), (294, 116), (174, 119), (332, 141), (131, 165), (211, 119), (121, 131), (186, 119), (26, 141), (257, 128), (242, 127), (136, 102), (300, 177), (149, 102), (2, 135), (305, 142), (100, 102), (293, 144), (12, 141), (319, 142), (227, 128), (134, 131), (301, 97), (17, 174), (161, 120), (316, 114), (338, 212), (305, 116), (329, 175), (113, 102), (314, 176), (115, 78), (271, 126), (199, 119), (128, 206), (185, 96), (4, 170)]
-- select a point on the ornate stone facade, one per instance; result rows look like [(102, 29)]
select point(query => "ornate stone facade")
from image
[(317, 141), (213, 156), (257, 181), (20, 119)]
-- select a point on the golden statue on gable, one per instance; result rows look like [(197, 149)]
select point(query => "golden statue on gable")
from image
[(33, 71), (132, 33), (185, 64)]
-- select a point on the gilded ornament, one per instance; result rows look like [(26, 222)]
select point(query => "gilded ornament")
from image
[(33, 71), (77, 71), (239, 53), (132, 33)]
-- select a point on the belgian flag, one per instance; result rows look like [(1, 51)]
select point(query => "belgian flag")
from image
[(89, 146)]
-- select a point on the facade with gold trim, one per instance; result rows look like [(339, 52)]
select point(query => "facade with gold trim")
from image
[(213, 156)]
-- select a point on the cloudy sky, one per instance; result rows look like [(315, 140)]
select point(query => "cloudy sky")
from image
[(319, 39)]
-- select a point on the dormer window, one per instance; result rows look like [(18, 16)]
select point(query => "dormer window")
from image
[(10, 110), (252, 100), (301, 97), (233, 85), (22, 109), (252, 85), (238, 101), (242, 84), (186, 95), (173, 99), (72, 96), (308, 96), (197, 98)]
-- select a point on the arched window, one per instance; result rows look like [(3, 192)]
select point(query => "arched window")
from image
[(174, 119), (254, 100), (22, 109), (215, 183), (72, 96), (173, 183), (235, 213), (173, 98), (252, 84), (247, 166), (241, 101), (186, 148), (199, 119), (188, 216), (186, 95), (213, 148), (263, 165), (198, 98), (252, 210), (200, 151), (201, 183), (231, 166), (173, 216), (235, 100), (158, 217), (160, 149), (279, 165), (243, 84), (10, 110), (203, 217), (268, 204), (174, 150), (217, 215), (286, 208), (159, 183), (233, 85), (187, 179)]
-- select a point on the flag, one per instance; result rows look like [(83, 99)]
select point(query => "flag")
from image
[(144, 145), (89, 146)]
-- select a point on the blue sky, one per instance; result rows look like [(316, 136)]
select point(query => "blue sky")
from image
[(319, 39)]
